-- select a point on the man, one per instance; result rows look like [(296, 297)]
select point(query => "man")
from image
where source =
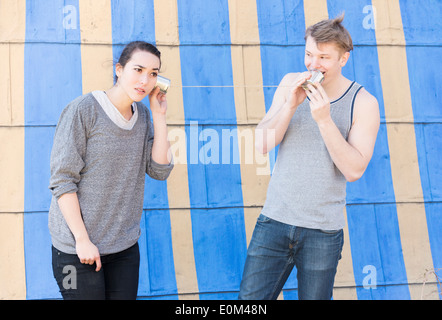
[(327, 134)]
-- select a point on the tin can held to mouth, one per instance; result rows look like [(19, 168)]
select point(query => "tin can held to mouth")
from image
[(317, 77), (163, 83)]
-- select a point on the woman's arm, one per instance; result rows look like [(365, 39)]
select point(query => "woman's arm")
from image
[(87, 252)]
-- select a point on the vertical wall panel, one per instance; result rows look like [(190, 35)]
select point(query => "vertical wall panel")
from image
[(209, 107), (220, 248), (425, 89), (12, 38), (51, 45), (376, 227), (40, 282), (402, 139), (96, 44), (158, 267)]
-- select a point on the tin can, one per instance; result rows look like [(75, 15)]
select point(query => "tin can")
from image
[(163, 83), (317, 77)]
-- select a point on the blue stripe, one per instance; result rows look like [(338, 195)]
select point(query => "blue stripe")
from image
[(422, 23), (281, 22), (218, 234), (52, 78), (425, 82), (213, 183), (219, 248), (40, 282), (157, 272), (358, 19), (378, 253), (130, 22), (434, 222), (203, 22), (372, 187), (423, 40), (203, 66)]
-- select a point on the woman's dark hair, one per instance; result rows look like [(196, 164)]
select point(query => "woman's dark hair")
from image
[(131, 47)]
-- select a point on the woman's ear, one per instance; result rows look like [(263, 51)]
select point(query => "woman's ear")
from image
[(118, 70)]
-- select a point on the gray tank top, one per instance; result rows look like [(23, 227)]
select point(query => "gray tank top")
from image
[(306, 188)]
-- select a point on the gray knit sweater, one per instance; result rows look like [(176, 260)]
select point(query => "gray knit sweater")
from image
[(106, 166)]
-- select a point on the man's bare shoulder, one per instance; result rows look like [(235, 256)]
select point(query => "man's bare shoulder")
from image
[(366, 98), (366, 107)]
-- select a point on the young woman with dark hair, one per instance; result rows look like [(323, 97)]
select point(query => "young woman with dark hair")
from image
[(104, 143)]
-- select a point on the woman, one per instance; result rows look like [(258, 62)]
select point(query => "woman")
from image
[(104, 144)]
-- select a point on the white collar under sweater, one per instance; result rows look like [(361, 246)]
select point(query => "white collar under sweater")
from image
[(113, 113)]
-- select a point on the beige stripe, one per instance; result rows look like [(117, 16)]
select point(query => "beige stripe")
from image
[(12, 21), (250, 216), (96, 44), (315, 11), (345, 284), (183, 254), (12, 268), (12, 137), (177, 184), (243, 22), (12, 38), (402, 141), (246, 61), (249, 100), (255, 168), (166, 22), (171, 68), (167, 39)]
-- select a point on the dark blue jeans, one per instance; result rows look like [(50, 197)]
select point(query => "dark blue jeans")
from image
[(275, 248), (116, 280)]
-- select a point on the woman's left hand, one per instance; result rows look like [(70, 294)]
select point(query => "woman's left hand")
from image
[(158, 101)]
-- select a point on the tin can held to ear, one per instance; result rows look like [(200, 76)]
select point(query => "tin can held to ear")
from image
[(163, 84), (317, 77)]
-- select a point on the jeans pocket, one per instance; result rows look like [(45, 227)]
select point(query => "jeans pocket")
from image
[(330, 231), (263, 219)]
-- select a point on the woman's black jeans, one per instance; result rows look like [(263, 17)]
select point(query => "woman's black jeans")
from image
[(116, 280)]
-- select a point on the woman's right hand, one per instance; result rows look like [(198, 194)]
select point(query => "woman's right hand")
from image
[(88, 253)]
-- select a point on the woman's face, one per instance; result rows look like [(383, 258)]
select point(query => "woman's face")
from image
[(139, 76)]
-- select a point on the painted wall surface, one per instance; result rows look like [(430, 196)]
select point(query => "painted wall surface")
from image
[(225, 59)]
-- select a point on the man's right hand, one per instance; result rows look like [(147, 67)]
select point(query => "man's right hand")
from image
[(296, 95)]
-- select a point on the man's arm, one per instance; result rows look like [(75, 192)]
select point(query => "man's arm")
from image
[(288, 96), (351, 157)]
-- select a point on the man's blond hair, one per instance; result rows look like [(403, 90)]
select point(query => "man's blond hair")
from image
[(331, 30)]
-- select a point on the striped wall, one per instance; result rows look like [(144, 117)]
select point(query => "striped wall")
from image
[(224, 58)]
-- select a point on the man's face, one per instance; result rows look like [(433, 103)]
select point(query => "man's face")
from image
[(326, 57)]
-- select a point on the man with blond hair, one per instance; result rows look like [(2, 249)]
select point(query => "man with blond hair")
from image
[(327, 132)]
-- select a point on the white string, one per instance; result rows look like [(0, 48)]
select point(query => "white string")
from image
[(230, 86)]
